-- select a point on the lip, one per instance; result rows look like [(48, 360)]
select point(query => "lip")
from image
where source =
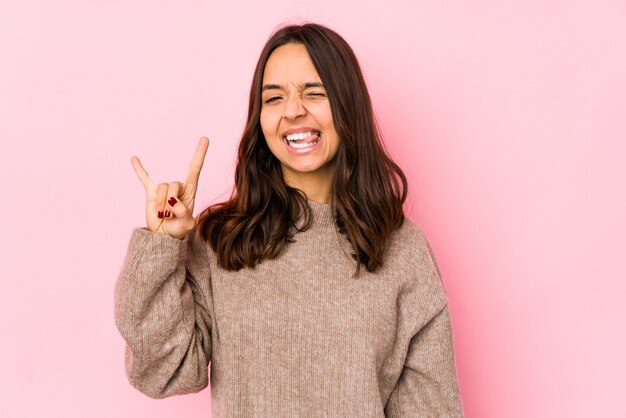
[(298, 130)]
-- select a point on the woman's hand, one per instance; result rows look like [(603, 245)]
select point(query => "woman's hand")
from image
[(175, 219)]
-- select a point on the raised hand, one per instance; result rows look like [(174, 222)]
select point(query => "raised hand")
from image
[(169, 208)]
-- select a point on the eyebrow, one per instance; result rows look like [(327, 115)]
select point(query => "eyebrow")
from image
[(279, 87)]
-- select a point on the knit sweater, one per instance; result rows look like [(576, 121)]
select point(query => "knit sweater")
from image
[(296, 336)]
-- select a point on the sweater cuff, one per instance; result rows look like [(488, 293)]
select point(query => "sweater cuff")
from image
[(152, 254)]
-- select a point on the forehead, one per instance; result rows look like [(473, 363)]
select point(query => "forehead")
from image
[(290, 64)]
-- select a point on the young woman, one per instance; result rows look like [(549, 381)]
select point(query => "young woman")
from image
[(308, 292)]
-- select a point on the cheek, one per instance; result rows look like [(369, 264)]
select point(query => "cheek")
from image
[(336, 142), (325, 117), (263, 122), (268, 124)]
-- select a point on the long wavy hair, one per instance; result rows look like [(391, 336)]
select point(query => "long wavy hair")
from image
[(368, 188)]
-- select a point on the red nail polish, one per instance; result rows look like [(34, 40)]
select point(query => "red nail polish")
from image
[(167, 213), (172, 201), (160, 214)]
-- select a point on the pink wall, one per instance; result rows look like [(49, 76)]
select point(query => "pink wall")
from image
[(508, 117)]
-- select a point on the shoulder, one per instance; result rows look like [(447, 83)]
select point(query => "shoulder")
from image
[(411, 247), (410, 236)]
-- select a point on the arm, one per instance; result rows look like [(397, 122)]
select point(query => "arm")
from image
[(428, 385), (161, 312)]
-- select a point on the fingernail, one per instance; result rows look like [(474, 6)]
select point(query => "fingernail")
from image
[(167, 213), (172, 201), (160, 214)]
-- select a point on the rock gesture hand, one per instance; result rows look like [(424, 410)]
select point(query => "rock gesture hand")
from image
[(176, 219)]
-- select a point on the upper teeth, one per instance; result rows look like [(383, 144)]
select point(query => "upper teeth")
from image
[(301, 135)]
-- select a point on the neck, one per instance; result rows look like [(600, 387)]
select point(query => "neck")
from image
[(316, 185)]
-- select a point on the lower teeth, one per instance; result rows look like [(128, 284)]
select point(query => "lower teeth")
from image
[(303, 144)]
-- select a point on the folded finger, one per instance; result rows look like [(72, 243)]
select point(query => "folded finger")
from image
[(159, 203), (174, 204)]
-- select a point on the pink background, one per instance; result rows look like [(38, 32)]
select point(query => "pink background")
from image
[(508, 118)]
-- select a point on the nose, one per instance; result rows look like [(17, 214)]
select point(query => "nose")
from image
[(294, 107)]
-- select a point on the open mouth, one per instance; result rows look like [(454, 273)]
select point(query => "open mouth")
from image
[(302, 139)]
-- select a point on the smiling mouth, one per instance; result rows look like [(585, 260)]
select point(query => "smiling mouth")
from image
[(302, 139)]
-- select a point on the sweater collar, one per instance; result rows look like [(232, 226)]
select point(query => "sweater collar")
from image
[(323, 217)]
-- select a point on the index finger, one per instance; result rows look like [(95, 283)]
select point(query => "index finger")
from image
[(142, 174), (196, 163)]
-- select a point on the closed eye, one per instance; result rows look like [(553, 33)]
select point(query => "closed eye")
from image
[(274, 98)]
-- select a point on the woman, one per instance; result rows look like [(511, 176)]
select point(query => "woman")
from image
[(268, 287)]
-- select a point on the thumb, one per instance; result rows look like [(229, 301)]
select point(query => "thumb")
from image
[(178, 208), (180, 223)]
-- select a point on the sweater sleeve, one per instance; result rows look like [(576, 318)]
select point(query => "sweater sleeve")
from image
[(428, 385), (162, 312)]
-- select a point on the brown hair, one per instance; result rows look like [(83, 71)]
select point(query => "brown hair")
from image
[(368, 188)]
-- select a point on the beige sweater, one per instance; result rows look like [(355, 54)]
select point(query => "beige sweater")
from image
[(295, 336)]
